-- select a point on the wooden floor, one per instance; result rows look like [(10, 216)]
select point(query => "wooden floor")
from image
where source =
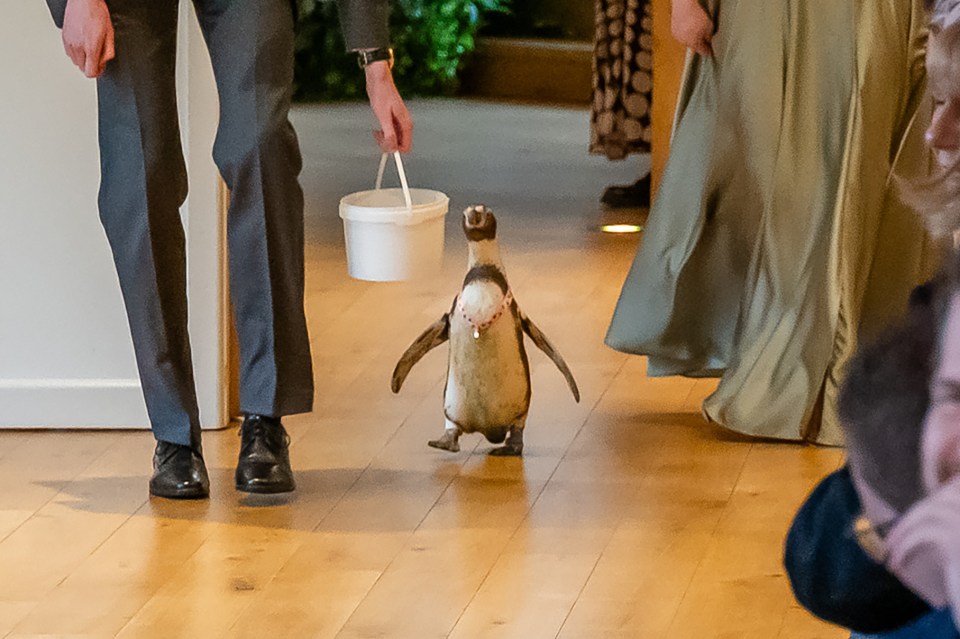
[(629, 517)]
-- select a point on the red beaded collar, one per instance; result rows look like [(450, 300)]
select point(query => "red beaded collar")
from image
[(487, 323)]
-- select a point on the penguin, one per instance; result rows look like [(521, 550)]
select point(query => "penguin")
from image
[(488, 375)]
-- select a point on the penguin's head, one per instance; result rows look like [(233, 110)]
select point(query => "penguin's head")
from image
[(479, 223)]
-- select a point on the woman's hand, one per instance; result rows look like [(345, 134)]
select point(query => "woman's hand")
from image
[(396, 125), (692, 27), (88, 35)]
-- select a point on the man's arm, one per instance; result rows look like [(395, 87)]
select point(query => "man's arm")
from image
[(396, 125), (57, 7), (88, 35), (365, 25)]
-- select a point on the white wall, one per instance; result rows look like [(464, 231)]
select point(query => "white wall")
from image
[(66, 358)]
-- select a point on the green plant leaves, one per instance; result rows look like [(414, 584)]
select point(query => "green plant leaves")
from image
[(431, 38)]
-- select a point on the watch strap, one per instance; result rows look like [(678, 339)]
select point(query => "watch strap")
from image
[(369, 56)]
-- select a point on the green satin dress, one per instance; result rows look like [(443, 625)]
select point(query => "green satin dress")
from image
[(777, 239)]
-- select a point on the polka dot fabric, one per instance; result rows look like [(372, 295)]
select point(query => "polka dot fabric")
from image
[(622, 78)]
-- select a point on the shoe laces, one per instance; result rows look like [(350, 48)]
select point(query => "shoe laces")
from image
[(168, 450), (257, 429)]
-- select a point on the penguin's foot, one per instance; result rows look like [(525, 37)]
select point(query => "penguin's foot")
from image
[(449, 441), (514, 445), (509, 450)]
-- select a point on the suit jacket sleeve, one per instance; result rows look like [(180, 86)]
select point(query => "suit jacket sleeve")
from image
[(57, 8), (365, 23)]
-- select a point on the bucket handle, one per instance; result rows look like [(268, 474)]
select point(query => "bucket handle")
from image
[(403, 178)]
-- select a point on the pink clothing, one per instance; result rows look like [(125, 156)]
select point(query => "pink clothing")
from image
[(923, 546), (941, 431)]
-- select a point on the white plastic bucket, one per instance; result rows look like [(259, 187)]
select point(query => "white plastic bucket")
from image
[(393, 234)]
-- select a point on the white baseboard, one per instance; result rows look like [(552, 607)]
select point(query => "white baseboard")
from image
[(74, 403)]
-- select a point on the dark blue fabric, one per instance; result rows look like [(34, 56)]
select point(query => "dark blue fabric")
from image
[(936, 625), (832, 576)]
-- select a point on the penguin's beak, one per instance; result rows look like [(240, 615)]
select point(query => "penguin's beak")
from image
[(475, 217), (479, 223)]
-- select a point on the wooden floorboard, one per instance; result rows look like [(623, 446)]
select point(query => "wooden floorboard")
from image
[(628, 517)]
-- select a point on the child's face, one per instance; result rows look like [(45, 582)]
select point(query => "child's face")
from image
[(944, 133)]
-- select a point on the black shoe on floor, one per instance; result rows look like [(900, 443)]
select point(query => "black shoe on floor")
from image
[(179, 473), (264, 465), (628, 196)]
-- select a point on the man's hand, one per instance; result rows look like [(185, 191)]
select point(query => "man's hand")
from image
[(692, 27), (396, 125), (88, 35)]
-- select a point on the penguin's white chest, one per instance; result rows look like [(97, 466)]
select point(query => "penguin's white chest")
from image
[(488, 380)]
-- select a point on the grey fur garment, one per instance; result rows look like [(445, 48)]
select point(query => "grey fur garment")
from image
[(885, 396)]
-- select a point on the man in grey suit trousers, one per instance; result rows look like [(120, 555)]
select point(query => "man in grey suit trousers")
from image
[(129, 46)]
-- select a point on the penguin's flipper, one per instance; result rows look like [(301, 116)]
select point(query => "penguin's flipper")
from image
[(544, 345), (437, 334)]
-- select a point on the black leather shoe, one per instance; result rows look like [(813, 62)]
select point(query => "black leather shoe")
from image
[(264, 465), (179, 473), (628, 196)]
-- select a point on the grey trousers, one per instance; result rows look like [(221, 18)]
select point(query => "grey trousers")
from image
[(144, 182)]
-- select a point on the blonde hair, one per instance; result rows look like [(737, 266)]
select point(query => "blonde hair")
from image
[(937, 198)]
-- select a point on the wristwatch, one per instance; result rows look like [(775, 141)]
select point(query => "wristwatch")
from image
[(369, 56)]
